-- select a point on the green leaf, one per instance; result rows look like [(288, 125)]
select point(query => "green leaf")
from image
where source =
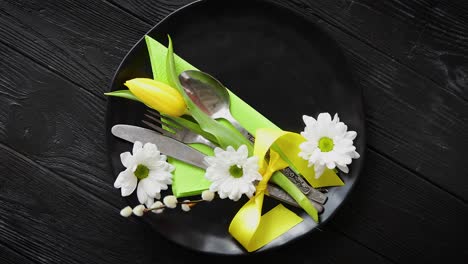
[(224, 135), (193, 127), (124, 94)]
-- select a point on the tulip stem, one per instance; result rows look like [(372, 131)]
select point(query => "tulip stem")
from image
[(282, 181)]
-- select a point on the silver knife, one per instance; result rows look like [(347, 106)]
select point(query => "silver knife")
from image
[(185, 153), (166, 145)]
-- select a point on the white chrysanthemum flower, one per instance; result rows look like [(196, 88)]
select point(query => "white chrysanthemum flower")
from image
[(328, 144), (147, 169), (232, 173)]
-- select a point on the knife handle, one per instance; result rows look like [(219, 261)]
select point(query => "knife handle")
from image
[(279, 194), (309, 191)]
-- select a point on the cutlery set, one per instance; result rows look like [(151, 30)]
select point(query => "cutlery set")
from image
[(212, 97)]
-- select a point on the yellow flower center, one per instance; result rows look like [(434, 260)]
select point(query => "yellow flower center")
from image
[(325, 144), (236, 171), (141, 172)]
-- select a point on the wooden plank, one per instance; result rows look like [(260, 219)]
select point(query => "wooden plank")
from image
[(144, 10), (427, 35), (8, 256), (69, 212), (84, 41), (42, 116), (442, 48), (410, 118), (403, 217)]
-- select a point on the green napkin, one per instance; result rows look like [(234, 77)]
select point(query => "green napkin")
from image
[(189, 180)]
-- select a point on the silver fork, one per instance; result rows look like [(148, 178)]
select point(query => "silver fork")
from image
[(176, 131)]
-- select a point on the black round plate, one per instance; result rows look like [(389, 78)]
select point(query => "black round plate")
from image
[(268, 56)]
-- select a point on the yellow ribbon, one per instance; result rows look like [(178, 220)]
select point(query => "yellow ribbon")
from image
[(249, 227), (252, 229), (288, 144)]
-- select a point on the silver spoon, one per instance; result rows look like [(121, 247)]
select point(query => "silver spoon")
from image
[(210, 95)]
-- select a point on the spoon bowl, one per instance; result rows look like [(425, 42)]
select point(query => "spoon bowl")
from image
[(210, 95)]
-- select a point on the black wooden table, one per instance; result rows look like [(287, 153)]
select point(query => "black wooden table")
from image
[(57, 200)]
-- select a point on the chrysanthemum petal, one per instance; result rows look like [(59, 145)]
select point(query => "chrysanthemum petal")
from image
[(150, 186), (127, 182), (331, 165), (324, 118), (336, 119), (343, 168), (127, 159), (308, 120), (129, 187), (318, 169), (355, 155), (141, 194), (137, 147), (149, 202), (351, 135), (151, 149)]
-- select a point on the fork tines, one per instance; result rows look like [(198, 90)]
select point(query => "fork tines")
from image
[(155, 117), (167, 129)]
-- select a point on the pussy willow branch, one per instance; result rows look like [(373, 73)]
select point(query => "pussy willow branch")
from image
[(164, 206)]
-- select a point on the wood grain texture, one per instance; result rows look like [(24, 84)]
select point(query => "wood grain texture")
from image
[(42, 115), (403, 217), (144, 10), (428, 35), (83, 41), (435, 119), (9, 256), (57, 203)]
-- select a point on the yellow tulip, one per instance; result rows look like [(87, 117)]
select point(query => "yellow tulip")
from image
[(157, 95)]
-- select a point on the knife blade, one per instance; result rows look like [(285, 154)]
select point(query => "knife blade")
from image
[(185, 153), (166, 145)]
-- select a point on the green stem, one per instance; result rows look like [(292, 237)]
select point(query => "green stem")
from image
[(193, 127), (282, 181)]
